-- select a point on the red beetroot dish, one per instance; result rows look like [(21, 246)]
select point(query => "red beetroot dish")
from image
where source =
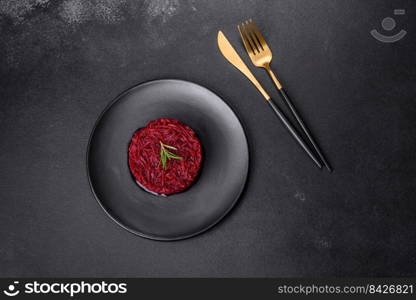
[(179, 169)]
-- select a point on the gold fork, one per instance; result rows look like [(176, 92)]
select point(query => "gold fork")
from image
[(261, 56)]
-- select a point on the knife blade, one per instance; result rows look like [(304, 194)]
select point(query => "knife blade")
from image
[(232, 56)]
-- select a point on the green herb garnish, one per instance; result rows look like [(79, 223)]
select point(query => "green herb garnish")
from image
[(165, 154)]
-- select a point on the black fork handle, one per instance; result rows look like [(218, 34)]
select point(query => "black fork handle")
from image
[(304, 128), (293, 132)]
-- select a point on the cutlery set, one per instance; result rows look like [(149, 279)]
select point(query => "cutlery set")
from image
[(261, 56)]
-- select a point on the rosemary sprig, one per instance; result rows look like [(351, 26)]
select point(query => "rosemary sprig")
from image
[(165, 154)]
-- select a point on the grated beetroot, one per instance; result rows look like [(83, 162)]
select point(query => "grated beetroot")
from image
[(144, 156)]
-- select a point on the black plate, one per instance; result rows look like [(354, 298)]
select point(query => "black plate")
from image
[(224, 167)]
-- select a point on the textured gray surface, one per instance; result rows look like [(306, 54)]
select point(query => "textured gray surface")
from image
[(62, 62)]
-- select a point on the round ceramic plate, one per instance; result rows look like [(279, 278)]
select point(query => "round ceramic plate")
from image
[(222, 176)]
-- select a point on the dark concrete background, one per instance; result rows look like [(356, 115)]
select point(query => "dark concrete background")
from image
[(62, 62)]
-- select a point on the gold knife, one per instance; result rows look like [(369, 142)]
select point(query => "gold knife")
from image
[(232, 56)]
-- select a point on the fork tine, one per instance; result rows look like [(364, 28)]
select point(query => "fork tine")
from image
[(259, 35), (245, 42), (253, 36), (248, 38)]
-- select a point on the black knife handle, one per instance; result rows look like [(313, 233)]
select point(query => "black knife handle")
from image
[(293, 132), (304, 128)]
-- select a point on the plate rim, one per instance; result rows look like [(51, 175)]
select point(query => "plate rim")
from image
[(150, 236)]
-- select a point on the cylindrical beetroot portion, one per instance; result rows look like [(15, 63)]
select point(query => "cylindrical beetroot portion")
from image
[(145, 156)]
